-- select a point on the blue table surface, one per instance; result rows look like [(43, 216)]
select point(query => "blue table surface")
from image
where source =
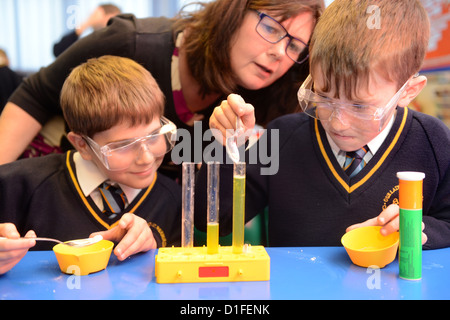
[(296, 274)]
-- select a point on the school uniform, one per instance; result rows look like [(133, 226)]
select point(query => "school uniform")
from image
[(46, 195), (312, 201)]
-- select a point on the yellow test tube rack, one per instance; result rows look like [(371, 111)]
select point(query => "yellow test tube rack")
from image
[(177, 265), (213, 263)]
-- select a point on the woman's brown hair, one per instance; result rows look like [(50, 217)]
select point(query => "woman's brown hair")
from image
[(211, 31)]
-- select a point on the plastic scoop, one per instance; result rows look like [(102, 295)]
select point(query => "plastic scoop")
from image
[(73, 243)]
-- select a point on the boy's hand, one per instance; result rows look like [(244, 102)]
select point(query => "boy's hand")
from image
[(224, 116), (13, 249), (389, 220), (133, 234)]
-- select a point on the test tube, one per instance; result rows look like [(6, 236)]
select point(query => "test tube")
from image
[(238, 207), (212, 236), (188, 185), (410, 245)]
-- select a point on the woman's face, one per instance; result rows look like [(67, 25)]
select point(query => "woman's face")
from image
[(258, 63)]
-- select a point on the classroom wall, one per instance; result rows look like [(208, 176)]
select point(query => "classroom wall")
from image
[(29, 28)]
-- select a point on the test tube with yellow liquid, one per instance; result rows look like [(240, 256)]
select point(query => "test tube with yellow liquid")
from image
[(212, 238), (239, 175)]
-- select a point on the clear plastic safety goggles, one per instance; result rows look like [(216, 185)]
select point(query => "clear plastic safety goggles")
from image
[(325, 109), (121, 155)]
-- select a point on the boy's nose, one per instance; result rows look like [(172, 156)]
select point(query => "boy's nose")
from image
[(339, 119), (145, 156)]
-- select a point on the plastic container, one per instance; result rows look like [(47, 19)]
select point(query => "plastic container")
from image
[(410, 227), (85, 260), (367, 247)]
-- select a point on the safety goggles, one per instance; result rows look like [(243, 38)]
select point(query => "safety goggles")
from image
[(324, 108), (122, 154)]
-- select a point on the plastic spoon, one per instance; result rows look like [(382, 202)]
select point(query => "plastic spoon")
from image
[(74, 243)]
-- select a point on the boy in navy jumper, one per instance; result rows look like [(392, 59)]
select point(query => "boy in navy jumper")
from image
[(363, 77), (114, 109)]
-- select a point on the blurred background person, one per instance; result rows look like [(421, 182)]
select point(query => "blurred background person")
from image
[(9, 79), (96, 21)]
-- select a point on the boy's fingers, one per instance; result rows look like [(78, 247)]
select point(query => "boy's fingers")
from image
[(11, 245), (126, 248), (424, 237), (370, 222), (388, 214), (126, 222), (138, 238), (9, 230), (31, 234), (391, 227), (129, 238)]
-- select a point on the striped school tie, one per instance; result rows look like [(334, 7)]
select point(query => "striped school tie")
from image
[(114, 201), (354, 162)]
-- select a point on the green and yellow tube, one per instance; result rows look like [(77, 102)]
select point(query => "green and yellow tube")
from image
[(410, 203)]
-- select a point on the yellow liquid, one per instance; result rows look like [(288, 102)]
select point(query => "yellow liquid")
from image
[(212, 238), (238, 213)]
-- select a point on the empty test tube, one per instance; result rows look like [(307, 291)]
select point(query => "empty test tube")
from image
[(212, 241), (188, 185)]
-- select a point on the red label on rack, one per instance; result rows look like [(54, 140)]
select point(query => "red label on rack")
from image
[(213, 272)]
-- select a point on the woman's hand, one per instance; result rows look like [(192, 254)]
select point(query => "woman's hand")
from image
[(224, 117)]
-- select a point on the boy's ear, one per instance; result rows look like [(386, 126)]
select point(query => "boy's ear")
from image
[(81, 145), (413, 89)]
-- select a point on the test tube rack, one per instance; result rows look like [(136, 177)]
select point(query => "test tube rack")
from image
[(212, 263), (195, 265)]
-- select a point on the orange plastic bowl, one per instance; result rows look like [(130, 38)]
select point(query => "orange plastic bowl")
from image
[(367, 247), (83, 261)]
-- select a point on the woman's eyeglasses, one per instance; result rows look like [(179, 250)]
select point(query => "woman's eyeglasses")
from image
[(272, 31)]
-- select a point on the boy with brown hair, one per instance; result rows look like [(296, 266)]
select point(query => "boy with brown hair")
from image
[(338, 159), (110, 185)]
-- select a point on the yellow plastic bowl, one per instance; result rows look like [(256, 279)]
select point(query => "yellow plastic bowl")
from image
[(367, 247), (83, 261)]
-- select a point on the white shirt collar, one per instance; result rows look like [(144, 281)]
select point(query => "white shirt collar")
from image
[(376, 143), (373, 145), (90, 177)]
